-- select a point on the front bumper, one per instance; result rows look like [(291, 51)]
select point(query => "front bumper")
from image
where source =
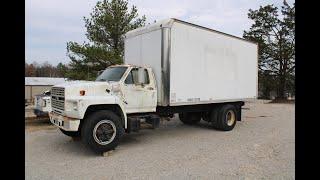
[(39, 113), (63, 122)]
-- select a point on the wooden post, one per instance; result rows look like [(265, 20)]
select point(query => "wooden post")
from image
[(108, 153)]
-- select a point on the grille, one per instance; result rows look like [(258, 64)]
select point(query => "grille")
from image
[(57, 99)]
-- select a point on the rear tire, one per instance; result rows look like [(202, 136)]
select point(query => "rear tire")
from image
[(70, 133), (101, 131), (214, 116), (190, 118), (225, 117)]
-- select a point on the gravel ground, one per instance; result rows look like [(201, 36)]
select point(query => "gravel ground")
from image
[(259, 147)]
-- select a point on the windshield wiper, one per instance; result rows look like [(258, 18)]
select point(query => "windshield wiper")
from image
[(101, 80)]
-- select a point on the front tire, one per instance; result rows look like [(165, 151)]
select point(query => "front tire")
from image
[(101, 131)]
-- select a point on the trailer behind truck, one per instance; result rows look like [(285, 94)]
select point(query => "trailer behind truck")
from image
[(170, 67)]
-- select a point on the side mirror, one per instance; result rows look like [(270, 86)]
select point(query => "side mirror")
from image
[(99, 72), (47, 93), (141, 78)]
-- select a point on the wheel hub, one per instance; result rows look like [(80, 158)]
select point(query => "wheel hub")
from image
[(231, 118), (104, 132)]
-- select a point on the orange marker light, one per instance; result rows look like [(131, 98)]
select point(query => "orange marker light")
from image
[(82, 92)]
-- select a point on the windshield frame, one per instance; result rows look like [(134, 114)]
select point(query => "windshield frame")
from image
[(111, 67)]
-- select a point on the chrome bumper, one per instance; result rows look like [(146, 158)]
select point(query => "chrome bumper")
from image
[(63, 122)]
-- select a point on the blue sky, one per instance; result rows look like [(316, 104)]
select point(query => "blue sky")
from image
[(50, 24)]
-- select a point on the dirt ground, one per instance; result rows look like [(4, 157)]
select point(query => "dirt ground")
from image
[(259, 147)]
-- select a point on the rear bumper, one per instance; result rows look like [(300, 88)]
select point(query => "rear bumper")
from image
[(63, 122)]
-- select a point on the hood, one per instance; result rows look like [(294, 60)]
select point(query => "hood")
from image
[(91, 88)]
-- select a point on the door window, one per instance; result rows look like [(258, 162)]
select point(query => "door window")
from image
[(146, 77), (132, 77)]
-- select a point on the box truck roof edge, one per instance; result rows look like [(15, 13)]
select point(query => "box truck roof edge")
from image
[(168, 23)]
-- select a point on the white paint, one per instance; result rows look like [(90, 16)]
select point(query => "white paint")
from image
[(210, 66), (43, 81), (69, 125), (139, 98), (205, 65), (145, 50), (42, 103), (130, 98), (95, 95)]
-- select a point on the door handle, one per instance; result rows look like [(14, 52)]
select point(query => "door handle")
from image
[(150, 88)]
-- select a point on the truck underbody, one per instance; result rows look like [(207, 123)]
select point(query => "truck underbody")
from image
[(203, 111)]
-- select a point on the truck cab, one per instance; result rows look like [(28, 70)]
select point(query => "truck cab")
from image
[(122, 90)]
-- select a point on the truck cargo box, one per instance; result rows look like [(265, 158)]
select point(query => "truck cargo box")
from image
[(194, 64)]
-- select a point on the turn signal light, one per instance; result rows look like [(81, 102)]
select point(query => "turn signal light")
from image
[(82, 92)]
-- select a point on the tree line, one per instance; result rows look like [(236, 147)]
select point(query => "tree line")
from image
[(45, 70), (272, 29)]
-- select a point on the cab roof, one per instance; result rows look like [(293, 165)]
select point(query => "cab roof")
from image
[(128, 65)]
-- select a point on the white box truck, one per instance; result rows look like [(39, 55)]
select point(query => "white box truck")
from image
[(171, 67)]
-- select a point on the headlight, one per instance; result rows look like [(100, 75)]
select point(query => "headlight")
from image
[(71, 105)]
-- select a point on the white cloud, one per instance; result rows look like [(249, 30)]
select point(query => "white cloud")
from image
[(50, 24)]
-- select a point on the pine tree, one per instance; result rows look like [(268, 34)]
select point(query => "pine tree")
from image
[(106, 27), (276, 37)]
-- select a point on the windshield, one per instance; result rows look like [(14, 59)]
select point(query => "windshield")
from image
[(112, 74)]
